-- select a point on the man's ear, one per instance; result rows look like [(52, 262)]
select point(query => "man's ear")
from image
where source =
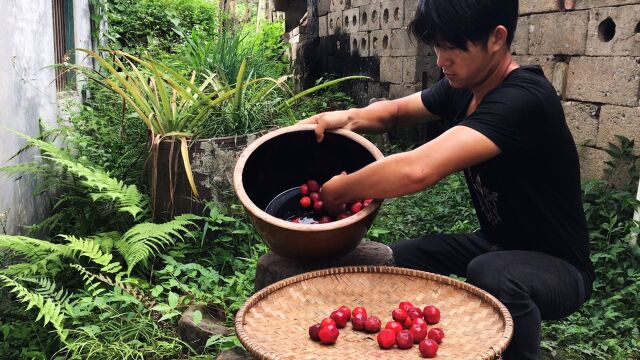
[(498, 38)]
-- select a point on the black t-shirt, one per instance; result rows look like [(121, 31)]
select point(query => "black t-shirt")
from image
[(528, 197)]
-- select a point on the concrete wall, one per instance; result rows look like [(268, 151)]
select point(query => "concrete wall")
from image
[(28, 93), (589, 50)]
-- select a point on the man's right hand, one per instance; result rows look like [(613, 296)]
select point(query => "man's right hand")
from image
[(340, 119)]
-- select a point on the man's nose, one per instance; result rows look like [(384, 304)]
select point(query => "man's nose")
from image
[(443, 59)]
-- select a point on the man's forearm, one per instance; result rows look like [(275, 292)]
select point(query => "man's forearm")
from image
[(376, 118), (393, 176)]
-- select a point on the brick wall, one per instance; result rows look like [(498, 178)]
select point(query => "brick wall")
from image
[(589, 50)]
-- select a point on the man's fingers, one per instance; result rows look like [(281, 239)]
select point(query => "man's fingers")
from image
[(320, 128)]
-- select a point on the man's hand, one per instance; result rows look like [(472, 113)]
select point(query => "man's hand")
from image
[(330, 198), (329, 120)]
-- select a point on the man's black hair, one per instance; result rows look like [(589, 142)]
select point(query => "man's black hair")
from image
[(451, 23)]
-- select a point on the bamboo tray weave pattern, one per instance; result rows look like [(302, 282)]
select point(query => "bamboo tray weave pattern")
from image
[(274, 322)]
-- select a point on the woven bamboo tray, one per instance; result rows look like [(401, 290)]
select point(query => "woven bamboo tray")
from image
[(274, 322)]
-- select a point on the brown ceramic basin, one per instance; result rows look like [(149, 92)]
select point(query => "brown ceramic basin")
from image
[(286, 158)]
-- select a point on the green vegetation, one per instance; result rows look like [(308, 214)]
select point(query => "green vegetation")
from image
[(99, 279)]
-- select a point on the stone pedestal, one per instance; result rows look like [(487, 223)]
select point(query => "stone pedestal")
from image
[(272, 268)]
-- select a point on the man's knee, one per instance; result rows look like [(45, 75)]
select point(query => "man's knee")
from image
[(484, 273), (494, 274)]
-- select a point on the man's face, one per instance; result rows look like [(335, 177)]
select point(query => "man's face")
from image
[(464, 69)]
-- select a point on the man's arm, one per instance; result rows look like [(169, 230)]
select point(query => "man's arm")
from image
[(375, 118), (412, 171)]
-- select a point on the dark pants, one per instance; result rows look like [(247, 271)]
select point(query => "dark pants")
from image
[(532, 285)]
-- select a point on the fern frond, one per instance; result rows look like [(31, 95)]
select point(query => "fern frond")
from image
[(127, 197), (106, 240), (48, 309), (49, 265), (91, 248), (32, 249), (32, 168), (147, 239), (90, 280), (48, 289)]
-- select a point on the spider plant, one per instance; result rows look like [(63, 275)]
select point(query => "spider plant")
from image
[(177, 108)]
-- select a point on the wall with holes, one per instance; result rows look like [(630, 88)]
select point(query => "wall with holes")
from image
[(588, 49), (370, 37)]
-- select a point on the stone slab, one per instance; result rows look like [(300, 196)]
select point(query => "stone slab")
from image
[(614, 31), (590, 4), (582, 119), (608, 80), (405, 44), (235, 354), (619, 120), (410, 9), (420, 69), (558, 33), (392, 14), (323, 7), (391, 69), (547, 63), (272, 268), (538, 6), (592, 162), (369, 66), (359, 3), (377, 90), (520, 44), (397, 91), (322, 26), (196, 335)]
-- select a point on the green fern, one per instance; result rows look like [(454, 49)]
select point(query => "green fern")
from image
[(147, 239), (14, 171), (92, 284), (49, 265), (128, 198), (91, 248), (33, 249), (49, 310), (48, 289)]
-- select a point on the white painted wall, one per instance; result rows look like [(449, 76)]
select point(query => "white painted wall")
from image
[(27, 93)]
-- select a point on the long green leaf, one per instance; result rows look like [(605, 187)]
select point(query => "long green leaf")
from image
[(295, 98)]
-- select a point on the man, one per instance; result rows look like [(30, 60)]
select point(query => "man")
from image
[(509, 136)]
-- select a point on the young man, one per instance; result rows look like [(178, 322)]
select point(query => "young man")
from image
[(509, 136)]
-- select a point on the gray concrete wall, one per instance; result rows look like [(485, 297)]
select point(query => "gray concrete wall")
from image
[(28, 93), (588, 49)]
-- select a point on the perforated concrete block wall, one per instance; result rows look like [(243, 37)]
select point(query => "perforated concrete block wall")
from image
[(351, 20), (392, 14), (588, 49), (370, 17)]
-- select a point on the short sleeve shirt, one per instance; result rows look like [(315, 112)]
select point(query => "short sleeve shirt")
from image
[(529, 196)]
